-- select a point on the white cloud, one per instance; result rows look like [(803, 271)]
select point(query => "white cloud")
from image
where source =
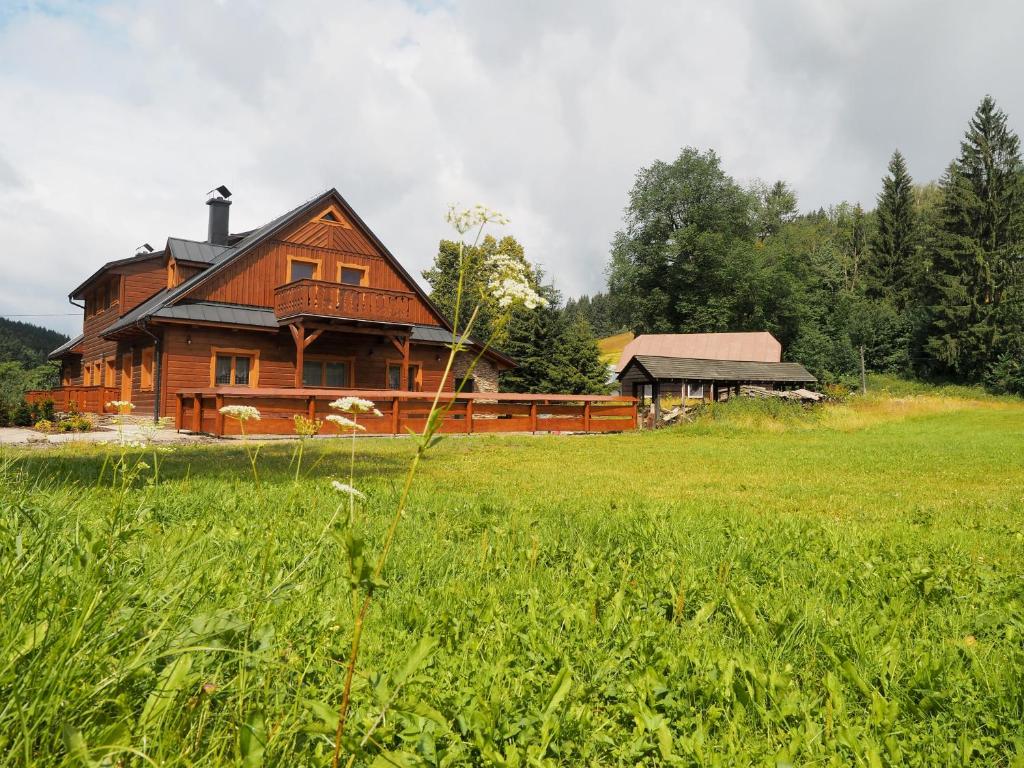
[(119, 115)]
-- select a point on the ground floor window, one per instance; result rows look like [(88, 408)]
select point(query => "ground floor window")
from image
[(413, 384), (110, 372), (335, 374), (232, 367), (695, 391)]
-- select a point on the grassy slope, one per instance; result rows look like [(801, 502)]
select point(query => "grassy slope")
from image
[(849, 590), (611, 347)]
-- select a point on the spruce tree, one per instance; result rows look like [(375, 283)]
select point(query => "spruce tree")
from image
[(894, 248), (975, 280)]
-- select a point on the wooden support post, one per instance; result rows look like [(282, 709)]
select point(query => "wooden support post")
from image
[(656, 402), (311, 408), (533, 417), (178, 406), (197, 413), (395, 402), (469, 417), (298, 336), (586, 416), (406, 349), (636, 412), (218, 417)]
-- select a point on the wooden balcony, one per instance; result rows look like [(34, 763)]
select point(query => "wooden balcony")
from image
[(318, 298)]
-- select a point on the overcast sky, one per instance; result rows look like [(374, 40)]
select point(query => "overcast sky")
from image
[(118, 116)]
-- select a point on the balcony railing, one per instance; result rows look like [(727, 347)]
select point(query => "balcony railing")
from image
[(353, 302)]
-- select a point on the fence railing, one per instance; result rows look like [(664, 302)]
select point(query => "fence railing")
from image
[(199, 411), (85, 399)]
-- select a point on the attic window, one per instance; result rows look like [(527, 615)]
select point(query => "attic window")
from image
[(331, 215)]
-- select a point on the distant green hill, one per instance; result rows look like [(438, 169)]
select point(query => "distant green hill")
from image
[(27, 344)]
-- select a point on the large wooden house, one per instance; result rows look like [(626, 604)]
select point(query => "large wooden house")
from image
[(311, 299), (309, 306)]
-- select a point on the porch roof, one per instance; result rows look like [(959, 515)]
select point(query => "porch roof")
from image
[(68, 347)]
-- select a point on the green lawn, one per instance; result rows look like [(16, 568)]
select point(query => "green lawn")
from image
[(840, 589)]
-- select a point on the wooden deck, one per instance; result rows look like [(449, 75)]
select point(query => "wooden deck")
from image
[(472, 413)]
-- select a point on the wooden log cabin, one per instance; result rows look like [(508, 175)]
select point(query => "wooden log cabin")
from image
[(308, 307)]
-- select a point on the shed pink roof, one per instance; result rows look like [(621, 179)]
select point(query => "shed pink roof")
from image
[(760, 347)]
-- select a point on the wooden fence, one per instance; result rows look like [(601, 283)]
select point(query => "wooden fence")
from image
[(199, 411), (85, 399)]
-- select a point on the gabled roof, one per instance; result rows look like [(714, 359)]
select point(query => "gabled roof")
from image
[(655, 368), (758, 346), (110, 265), (68, 347), (229, 254)]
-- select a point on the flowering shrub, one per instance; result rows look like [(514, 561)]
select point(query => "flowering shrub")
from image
[(121, 406)]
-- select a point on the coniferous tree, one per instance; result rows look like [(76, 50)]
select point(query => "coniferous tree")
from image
[(891, 268), (975, 280), (579, 369)]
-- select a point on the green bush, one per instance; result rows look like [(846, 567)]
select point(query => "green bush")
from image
[(22, 416), (44, 425)]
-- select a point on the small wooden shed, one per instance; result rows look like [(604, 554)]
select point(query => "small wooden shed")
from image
[(707, 380)]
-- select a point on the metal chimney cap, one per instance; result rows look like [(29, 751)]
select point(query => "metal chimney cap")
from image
[(222, 190)]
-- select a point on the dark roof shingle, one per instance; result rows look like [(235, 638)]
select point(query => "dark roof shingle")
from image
[(693, 369)]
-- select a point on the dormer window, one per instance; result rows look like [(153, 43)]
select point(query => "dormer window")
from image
[(329, 216)]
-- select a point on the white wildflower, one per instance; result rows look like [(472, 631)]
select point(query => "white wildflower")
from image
[(241, 412), (470, 218), (510, 284), (346, 488), (121, 406), (376, 412), (344, 423), (352, 405)]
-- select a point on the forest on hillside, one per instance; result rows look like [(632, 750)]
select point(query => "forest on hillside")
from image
[(23, 363), (927, 284)]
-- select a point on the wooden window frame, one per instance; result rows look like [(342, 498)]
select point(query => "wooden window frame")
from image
[(688, 396), (110, 372), (398, 364), (146, 376), (317, 262), (323, 369), (233, 352), (365, 269)]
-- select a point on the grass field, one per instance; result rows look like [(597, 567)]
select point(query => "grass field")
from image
[(764, 587)]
